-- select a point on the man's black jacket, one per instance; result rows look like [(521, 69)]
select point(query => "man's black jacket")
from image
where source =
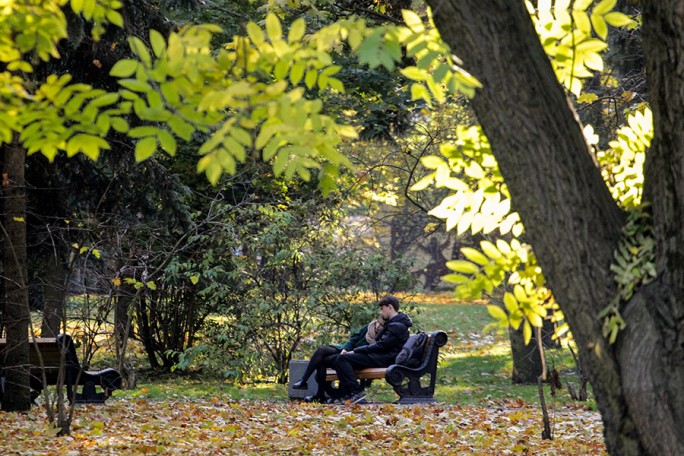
[(390, 340)]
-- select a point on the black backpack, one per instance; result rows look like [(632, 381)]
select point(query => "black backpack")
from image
[(411, 353)]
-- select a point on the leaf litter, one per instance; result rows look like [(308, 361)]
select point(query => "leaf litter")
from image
[(220, 427)]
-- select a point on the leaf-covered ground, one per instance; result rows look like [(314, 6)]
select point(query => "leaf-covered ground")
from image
[(217, 427)]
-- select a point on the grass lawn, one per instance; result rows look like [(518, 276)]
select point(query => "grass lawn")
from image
[(475, 368)]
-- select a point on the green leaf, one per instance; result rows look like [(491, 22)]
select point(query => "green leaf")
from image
[(135, 85), (115, 18), (336, 85), (167, 142), (140, 49), (281, 161), (297, 73), (255, 33), (490, 250), (124, 68), (235, 148), (281, 69), (158, 43), (77, 6), (119, 124), (141, 132), (463, 266), (456, 278), (310, 79), (145, 148), (181, 128), (475, 256)]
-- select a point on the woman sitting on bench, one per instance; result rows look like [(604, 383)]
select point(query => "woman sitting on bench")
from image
[(324, 357)]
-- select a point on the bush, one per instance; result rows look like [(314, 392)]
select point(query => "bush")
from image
[(296, 282)]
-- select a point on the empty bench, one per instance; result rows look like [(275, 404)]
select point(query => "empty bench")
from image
[(47, 354), (405, 380)]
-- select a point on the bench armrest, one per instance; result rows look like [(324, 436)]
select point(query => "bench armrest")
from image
[(396, 373)]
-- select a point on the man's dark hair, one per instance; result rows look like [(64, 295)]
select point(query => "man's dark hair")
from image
[(389, 301)]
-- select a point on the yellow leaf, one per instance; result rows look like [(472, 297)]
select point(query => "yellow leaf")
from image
[(520, 294), (604, 6), (273, 28), (18, 219), (462, 266), (510, 302), (617, 19), (297, 30), (497, 312), (413, 21), (600, 26), (527, 332)]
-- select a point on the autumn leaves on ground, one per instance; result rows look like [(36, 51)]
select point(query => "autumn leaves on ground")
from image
[(217, 427), (478, 412)]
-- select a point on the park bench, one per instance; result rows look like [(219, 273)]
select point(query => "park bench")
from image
[(405, 380), (47, 354)]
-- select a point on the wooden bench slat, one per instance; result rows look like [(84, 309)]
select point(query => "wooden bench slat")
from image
[(367, 373)]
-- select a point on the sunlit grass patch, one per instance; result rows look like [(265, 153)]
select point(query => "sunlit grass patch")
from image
[(198, 388)]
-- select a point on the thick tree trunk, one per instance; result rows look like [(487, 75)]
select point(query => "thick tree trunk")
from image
[(661, 378), (571, 220), (16, 357)]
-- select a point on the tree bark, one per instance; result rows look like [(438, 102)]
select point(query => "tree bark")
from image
[(572, 221), (54, 289), (15, 359)]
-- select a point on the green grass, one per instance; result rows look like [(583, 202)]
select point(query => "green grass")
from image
[(475, 367)]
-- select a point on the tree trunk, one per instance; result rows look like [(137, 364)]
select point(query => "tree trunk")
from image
[(54, 290), (17, 395), (527, 365), (527, 361), (572, 221)]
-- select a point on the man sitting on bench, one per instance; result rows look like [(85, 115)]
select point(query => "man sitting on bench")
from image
[(382, 353)]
